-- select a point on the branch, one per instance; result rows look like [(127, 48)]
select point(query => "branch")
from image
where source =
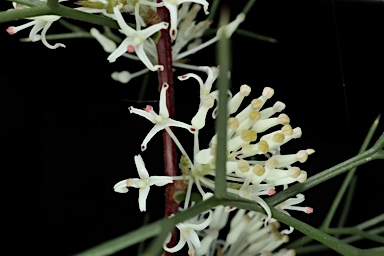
[(373, 153)]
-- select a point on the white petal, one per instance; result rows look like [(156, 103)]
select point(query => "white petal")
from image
[(143, 173), (163, 110), (174, 123), (121, 187), (120, 50), (139, 49), (128, 31), (204, 156), (150, 134), (198, 120), (204, 224), (143, 194), (177, 247), (149, 31), (143, 113)]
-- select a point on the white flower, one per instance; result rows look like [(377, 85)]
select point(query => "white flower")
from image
[(161, 120), (207, 98), (247, 236), (134, 42), (226, 31), (172, 6), (143, 183), (290, 203), (188, 234), (43, 23)]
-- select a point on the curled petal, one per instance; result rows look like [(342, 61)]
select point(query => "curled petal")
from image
[(121, 187), (177, 247), (204, 224)]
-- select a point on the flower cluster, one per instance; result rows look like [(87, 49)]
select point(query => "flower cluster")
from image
[(256, 166), (42, 23)]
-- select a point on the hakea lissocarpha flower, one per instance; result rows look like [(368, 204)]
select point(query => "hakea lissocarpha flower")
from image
[(207, 98), (256, 178), (188, 234), (224, 31), (173, 6), (42, 23), (248, 235), (134, 41), (189, 30), (139, 41), (210, 235), (256, 168), (143, 183), (161, 120), (291, 204)]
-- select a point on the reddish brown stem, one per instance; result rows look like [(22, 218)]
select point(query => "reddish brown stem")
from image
[(164, 53)]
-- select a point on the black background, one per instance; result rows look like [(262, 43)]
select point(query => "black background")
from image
[(67, 136)]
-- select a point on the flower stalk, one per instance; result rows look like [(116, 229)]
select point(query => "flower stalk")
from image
[(164, 51)]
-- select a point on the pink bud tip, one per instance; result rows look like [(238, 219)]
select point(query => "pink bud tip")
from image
[(10, 30), (309, 210), (130, 109), (191, 252), (130, 48), (148, 108), (271, 191), (143, 147)]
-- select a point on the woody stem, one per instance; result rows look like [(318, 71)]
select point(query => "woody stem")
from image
[(164, 53)]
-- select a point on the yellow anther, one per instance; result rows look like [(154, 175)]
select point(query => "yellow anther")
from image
[(258, 169), (256, 104), (263, 146), (233, 123), (243, 166), (254, 115), (248, 135), (271, 163), (279, 137)]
